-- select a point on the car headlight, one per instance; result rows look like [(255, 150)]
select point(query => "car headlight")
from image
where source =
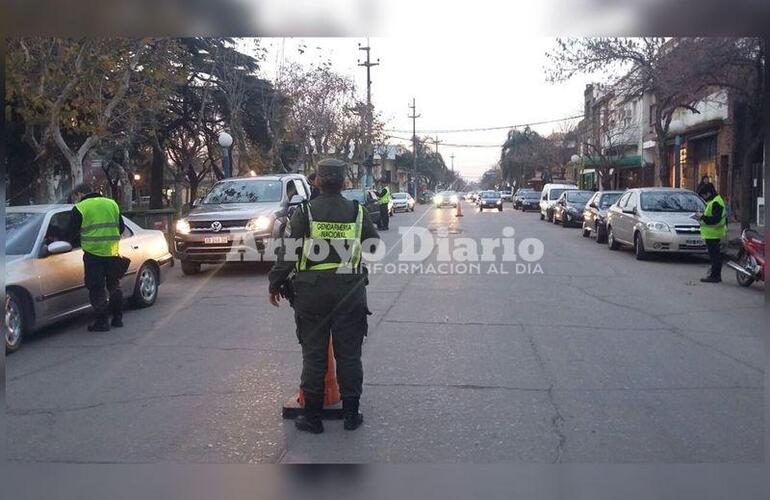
[(183, 226), (453, 199), (499, 202), (258, 224), (438, 199), (658, 226)]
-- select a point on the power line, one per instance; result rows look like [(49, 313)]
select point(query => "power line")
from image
[(451, 145), (481, 129)]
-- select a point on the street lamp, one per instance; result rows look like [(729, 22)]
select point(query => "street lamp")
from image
[(575, 159), (137, 177), (677, 127), (226, 140)]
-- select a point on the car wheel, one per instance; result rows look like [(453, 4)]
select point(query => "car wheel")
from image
[(500, 209), (611, 241), (586, 232), (639, 251), (190, 268), (541, 215), (16, 320), (146, 286)]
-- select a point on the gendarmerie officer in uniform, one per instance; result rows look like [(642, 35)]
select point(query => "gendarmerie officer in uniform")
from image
[(96, 223), (329, 295)]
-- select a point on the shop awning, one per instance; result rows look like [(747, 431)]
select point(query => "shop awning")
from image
[(618, 162)]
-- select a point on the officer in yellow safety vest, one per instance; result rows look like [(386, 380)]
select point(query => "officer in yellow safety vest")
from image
[(713, 227), (96, 224), (384, 200), (329, 295)]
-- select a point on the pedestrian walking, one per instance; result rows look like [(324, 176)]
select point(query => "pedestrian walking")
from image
[(384, 201), (713, 227), (96, 224), (326, 287)]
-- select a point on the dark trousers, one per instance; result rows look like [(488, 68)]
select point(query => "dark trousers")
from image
[(102, 280), (384, 216), (333, 305), (715, 256)]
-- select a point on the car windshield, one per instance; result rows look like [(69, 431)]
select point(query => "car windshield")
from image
[(490, 194), (531, 195), (608, 199), (354, 195), (399, 196), (21, 230), (555, 193), (671, 201), (247, 191), (578, 197), (446, 193)]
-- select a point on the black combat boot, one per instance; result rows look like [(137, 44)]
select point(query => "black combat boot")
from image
[(353, 419), (311, 420)]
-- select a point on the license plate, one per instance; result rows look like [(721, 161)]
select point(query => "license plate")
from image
[(211, 240), (697, 242)]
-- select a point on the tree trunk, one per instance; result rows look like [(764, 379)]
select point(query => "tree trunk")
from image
[(156, 176)]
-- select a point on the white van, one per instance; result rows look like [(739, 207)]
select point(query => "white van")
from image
[(548, 197)]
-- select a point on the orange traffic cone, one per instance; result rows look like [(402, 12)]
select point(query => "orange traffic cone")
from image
[(332, 402), (459, 209)]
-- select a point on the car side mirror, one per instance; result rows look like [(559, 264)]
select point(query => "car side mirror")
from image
[(296, 200), (197, 201), (631, 211), (592, 205), (58, 247)]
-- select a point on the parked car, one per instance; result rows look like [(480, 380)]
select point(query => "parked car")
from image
[(234, 220), (548, 197), (529, 200), (569, 207), (490, 199), (446, 198), (595, 214), (425, 197), (656, 220), (506, 194), (368, 199), (44, 273), (403, 202)]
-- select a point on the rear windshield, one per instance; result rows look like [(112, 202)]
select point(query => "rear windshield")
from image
[(608, 199), (671, 201), (579, 196), (354, 195), (21, 230), (244, 192)]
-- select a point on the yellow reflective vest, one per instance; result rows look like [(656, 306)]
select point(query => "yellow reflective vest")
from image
[(100, 228), (324, 233), (718, 230)]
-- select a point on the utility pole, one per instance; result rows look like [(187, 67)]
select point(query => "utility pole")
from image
[(452, 156), (414, 116), (437, 142), (368, 153)]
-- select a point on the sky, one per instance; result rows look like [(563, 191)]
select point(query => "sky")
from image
[(458, 82)]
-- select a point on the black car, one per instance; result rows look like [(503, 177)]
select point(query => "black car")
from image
[(516, 199), (569, 207), (368, 199), (425, 197), (528, 200), (490, 199), (595, 214)]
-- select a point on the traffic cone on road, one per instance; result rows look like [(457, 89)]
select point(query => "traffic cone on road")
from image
[(332, 401), (459, 209)]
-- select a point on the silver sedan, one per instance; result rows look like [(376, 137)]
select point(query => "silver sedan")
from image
[(44, 274)]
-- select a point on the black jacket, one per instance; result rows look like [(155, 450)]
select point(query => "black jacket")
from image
[(326, 207)]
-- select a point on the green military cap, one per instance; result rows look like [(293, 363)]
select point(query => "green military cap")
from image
[(331, 169)]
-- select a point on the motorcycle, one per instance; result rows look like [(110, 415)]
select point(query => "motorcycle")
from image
[(750, 264)]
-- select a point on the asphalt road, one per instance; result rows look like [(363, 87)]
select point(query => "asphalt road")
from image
[(593, 357)]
